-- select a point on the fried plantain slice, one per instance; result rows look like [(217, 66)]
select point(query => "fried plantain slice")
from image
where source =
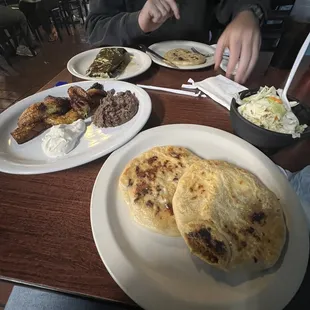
[(39, 111), (68, 118), (28, 132), (80, 100)]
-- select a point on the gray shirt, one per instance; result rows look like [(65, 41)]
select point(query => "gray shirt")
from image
[(115, 22), (30, 1)]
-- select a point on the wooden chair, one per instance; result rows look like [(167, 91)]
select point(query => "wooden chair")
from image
[(9, 37), (9, 42), (59, 19), (71, 6), (4, 53), (85, 3)]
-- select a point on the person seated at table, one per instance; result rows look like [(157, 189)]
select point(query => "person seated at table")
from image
[(13, 17), (118, 22), (37, 12)]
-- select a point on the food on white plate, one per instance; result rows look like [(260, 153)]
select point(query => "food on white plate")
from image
[(57, 110), (40, 110), (68, 118), (107, 61), (148, 184), (228, 217), (224, 65), (28, 132), (116, 109), (96, 93), (80, 101), (266, 109), (183, 57), (62, 139)]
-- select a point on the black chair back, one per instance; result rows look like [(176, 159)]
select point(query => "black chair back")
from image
[(273, 28)]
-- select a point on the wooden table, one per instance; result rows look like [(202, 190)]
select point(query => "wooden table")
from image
[(45, 232)]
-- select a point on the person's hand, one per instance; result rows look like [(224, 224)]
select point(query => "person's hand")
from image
[(242, 37), (155, 13)]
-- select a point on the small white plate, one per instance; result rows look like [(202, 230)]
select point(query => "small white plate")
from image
[(224, 65), (224, 62), (139, 63), (29, 158), (159, 272), (163, 47)]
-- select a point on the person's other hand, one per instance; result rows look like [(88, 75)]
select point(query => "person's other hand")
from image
[(156, 12), (242, 37)]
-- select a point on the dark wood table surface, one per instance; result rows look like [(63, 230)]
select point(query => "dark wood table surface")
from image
[(45, 233)]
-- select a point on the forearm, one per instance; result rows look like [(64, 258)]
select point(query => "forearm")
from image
[(113, 28), (227, 10)]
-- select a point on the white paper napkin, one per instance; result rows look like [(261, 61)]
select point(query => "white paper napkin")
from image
[(219, 88)]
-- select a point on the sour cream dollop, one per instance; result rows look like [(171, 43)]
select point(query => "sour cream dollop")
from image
[(62, 139)]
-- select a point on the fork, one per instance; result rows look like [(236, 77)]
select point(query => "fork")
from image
[(208, 55), (197, 52), (296, 64)]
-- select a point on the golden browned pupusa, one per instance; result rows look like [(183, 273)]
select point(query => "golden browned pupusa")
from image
[(148, 184), (228, 217), (183, 57)]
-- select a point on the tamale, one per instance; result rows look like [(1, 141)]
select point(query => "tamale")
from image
[(106, 62)]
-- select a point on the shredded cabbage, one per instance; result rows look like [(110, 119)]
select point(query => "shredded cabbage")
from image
[(266, 109)]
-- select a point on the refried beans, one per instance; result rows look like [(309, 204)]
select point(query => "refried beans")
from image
[(116, 109)]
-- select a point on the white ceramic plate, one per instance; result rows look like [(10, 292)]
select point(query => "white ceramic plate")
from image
[(78, 65), (225, 61), (159, 272), (29, 158), (163, 47), (224, 65)]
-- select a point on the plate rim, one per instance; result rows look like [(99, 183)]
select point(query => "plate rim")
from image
[(183, 68), (8, 167), (109, 233), (87, 78)]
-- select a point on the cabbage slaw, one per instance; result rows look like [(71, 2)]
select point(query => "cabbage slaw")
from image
[(265, 109)]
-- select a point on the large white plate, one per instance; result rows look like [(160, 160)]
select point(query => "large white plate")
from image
[(78, 65), (28, 158), (159, 272), (163, 47)]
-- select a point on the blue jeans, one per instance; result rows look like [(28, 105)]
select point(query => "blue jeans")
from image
[(34, 299)]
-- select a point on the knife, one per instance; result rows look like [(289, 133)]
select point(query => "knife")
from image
[(146, 49)]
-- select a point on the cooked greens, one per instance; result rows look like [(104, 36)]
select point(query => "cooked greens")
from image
[(107, 61)]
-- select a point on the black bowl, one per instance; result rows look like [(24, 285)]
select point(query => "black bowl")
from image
[(261, 137)]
